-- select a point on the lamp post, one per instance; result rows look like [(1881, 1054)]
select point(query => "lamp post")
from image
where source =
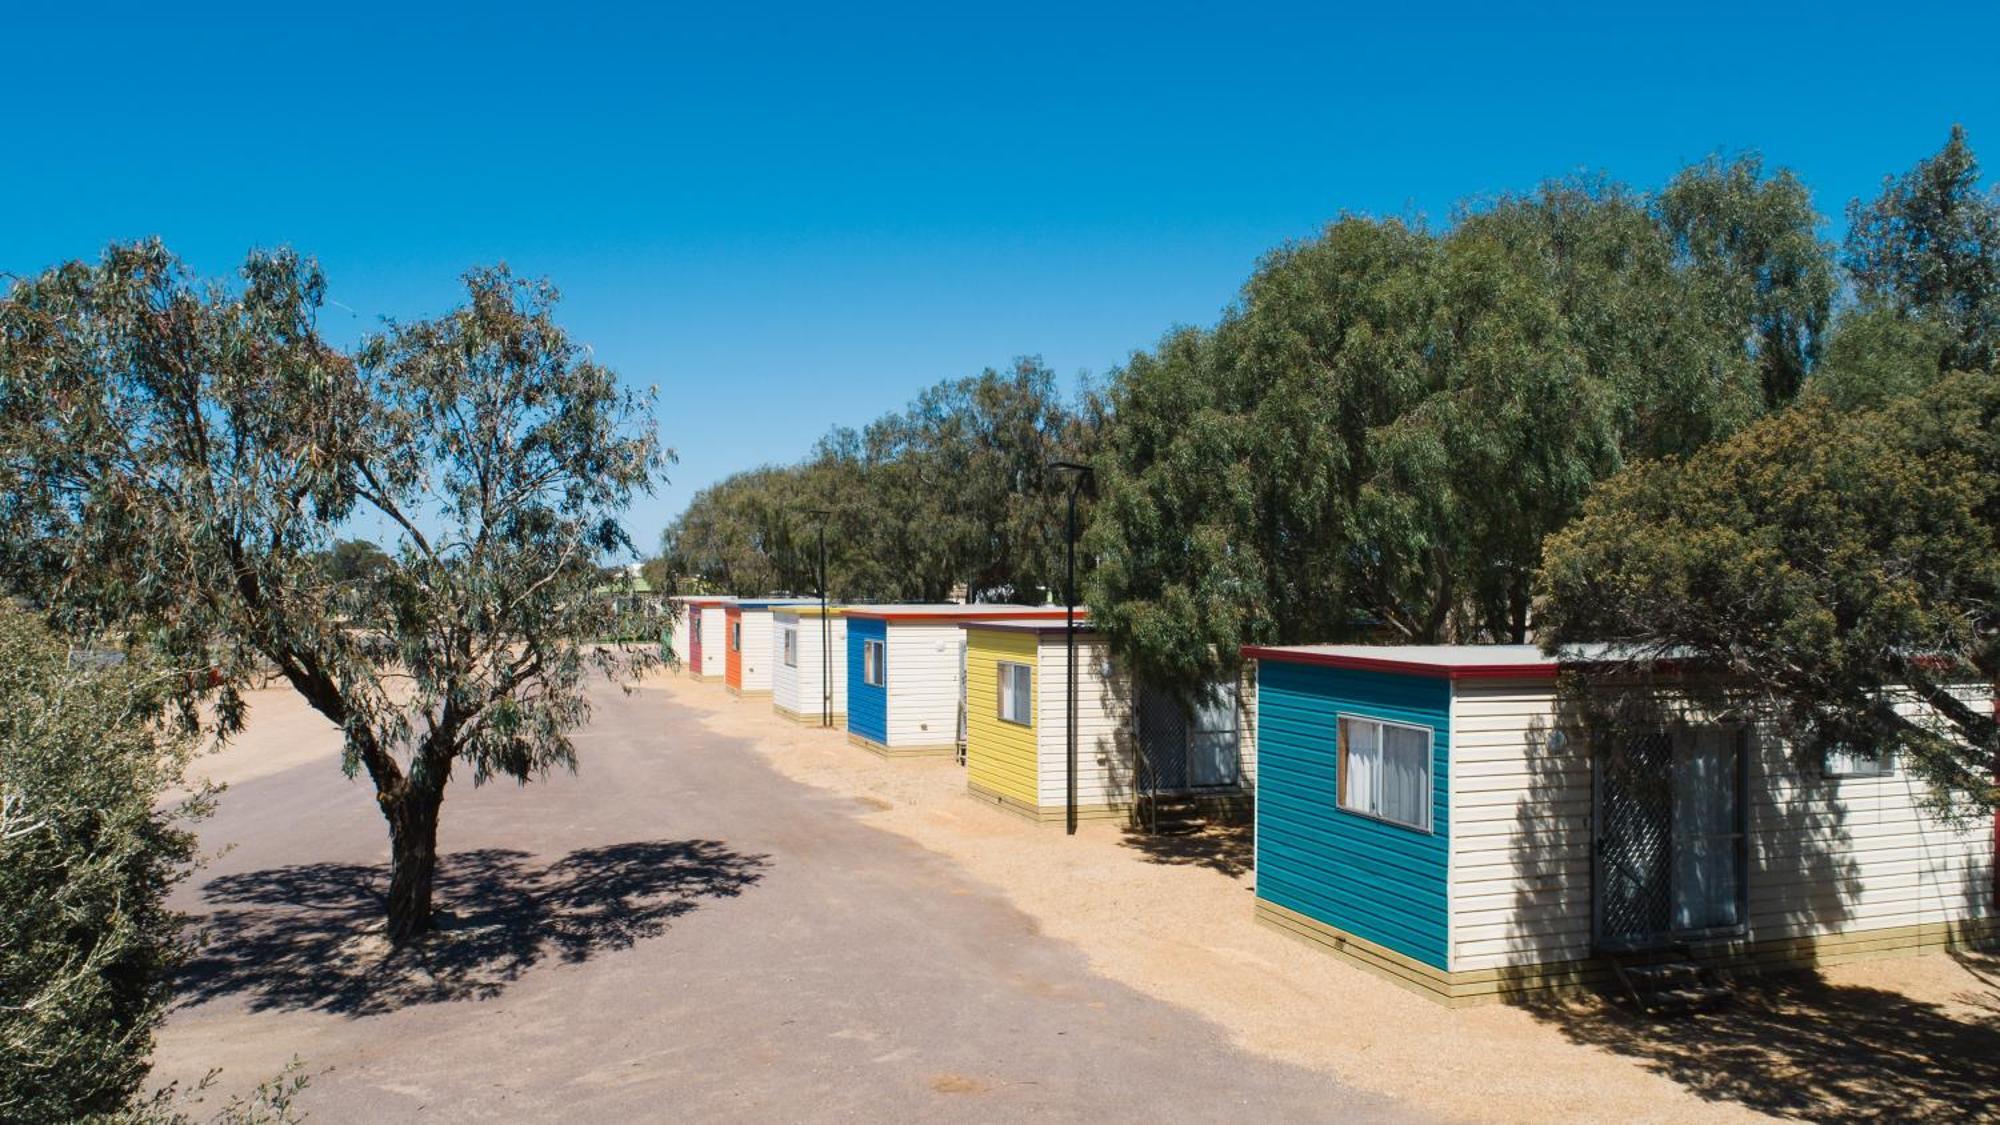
[(1077, 474), (825, 628)]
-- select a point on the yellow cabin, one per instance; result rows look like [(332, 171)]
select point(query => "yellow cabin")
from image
[(1132, 745)]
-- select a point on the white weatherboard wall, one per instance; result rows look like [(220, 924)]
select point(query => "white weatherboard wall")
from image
[(796, 690), (1105, 746), (714, 640), (1106, 740), (682, 615), (923, 683), (757, 655), (1826, 855)]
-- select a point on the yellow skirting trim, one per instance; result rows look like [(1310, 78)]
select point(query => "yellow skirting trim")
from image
[(807, 718), (878, 748), (1513, 982)]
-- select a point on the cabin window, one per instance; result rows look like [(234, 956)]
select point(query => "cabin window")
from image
[(1385, 771), (736, 637), (874, 663), (1841, 761), (1015, 686), (791, 641)]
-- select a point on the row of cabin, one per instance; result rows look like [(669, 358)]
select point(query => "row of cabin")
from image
[(1434, 814)]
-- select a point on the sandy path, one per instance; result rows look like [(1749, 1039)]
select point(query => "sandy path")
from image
[(1181, 930)]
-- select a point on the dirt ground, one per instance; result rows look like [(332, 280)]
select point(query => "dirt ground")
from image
[(1902, 1039)]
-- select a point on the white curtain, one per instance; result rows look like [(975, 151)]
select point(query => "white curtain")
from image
[(1705, 829), (1364, 763), (1406, 776)]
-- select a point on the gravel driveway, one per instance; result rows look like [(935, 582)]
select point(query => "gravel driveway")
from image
[(676, 932)]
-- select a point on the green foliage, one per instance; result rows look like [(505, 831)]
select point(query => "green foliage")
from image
[(1878, 354), (953, 491), (746, 534), (90, 843), (1752, 242), (353, 560), (1375, 441), (1929, 248), (176, 458), (1832, 559)]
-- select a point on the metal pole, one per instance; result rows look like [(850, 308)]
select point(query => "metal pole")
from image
[(825, 640), (1069, 630)]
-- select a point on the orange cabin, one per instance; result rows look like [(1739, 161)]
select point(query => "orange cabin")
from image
[(732, 629)]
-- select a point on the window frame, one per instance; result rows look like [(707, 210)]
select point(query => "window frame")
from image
[(789, 646), (1882, 766), (1340, 787), (736, 636), (875, 670), (1006, 683)]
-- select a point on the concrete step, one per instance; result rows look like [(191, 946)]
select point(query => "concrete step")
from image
[(1659, 975)]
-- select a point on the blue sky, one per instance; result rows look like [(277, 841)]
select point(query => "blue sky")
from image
[(791, 218)]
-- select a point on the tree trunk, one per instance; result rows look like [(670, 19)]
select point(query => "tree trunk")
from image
[(413, 821)]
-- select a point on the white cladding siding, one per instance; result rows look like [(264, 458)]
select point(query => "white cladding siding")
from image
[(1104, 745), (797, 689), (714, 641), (923, 682), (1858, 853), (1246, 723), (757, 655), (1826, 855), (682, 615), (1520, 830), (1106, 735)]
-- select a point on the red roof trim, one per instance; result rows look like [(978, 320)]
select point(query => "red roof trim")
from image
[(969, 614), (1543, 671)]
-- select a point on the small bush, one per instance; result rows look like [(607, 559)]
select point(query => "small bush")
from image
[(90, 844)]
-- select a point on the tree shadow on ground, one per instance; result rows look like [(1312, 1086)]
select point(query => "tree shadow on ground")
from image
[(311, 936), (1228, 848), (1798, 1046)]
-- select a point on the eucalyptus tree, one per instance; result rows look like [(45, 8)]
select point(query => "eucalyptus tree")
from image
[(178, 458), (1752, 240), (1928, 248), (950, 492), (744, 535), (1374, 442)]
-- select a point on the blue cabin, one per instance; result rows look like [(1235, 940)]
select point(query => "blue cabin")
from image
[(906, 673), (1434, 815)]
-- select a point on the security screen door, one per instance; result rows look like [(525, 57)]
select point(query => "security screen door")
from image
[(1669, 856), (1183, 749)]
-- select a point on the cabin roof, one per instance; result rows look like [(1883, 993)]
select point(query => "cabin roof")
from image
[(955, 611), (773, 603), (1057, 624), (1451, 661)]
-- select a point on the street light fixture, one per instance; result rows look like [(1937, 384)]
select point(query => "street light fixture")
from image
[(1077, 474)]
